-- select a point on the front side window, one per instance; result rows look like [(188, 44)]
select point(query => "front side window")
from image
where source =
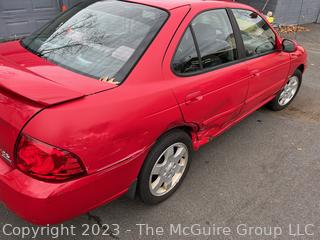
[(186, 59), (209, 42), (215, 38), (257, 36), (100, 39)]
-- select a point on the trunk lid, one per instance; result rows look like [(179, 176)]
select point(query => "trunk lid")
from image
[(19, 81), (41, 81), (29, 84)]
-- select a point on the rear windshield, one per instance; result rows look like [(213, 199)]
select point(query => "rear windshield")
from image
[(100, 39)]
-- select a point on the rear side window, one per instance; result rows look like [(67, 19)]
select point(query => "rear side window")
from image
[(257, 36), (209, 42)]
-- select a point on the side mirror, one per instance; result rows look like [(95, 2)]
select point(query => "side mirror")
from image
[(289, 46)]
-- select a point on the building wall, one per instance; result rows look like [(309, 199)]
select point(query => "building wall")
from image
[(259, 4), (21, 17), (288, 11)]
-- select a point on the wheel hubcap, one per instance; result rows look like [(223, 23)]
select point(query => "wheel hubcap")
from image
[(289, 91), (168, 169)]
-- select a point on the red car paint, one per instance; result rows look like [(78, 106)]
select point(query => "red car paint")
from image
[(111, 128)]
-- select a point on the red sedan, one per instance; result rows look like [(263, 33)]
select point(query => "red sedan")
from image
[(112, 97)]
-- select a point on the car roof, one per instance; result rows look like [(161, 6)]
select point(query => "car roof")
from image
[(172, 4)]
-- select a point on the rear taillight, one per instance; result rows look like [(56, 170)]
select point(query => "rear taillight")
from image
[(46, 162)]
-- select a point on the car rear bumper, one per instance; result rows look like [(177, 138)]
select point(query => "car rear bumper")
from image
[(50, 203)]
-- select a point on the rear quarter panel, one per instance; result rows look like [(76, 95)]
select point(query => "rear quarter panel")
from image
[(106, 129)]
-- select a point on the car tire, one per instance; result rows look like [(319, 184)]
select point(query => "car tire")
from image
[(169, 158), (288, 93)]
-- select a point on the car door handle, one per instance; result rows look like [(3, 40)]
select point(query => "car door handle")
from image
[(255, 73), (194, 97)]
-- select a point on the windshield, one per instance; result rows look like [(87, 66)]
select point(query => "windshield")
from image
[(100, 39)]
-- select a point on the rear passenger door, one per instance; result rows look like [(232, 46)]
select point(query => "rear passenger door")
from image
[(266, 62), (207, 77)]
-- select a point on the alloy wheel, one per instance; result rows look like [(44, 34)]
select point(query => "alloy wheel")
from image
[(168, 169), (289, 91)]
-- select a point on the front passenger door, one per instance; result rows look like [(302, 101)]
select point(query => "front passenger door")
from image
[(268, 65)]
